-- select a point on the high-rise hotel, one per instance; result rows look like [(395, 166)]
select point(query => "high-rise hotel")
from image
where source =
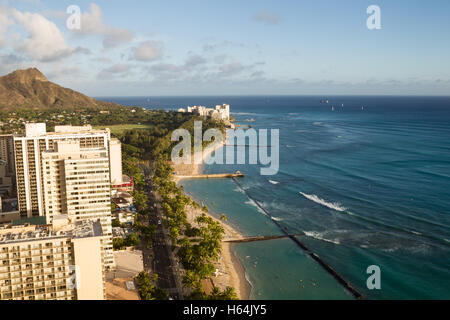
[(61, 261), (68, 172)]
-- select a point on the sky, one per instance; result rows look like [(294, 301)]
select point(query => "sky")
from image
[(233, 47)]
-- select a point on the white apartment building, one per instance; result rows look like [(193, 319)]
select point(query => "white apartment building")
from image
[(62, 261), (224, 111), (50, 189), (77, 184), (28, 158), (115, 156), (221, 112)]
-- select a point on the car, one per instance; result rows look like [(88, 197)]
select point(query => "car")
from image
[(159, 221)]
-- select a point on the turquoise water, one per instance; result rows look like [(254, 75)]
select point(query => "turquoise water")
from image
[(365, 187), (276, 269)]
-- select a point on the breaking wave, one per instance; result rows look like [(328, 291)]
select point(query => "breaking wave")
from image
[(237, 189), (253, 203), (335, 206), (320, 236), (273, 182)]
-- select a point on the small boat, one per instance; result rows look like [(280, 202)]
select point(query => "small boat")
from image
[(332, 108)]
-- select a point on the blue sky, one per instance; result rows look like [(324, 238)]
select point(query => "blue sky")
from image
[(211, 47)]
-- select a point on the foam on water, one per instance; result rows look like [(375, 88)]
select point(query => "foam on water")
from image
[(335, 206), (320, 236), (253, 204)]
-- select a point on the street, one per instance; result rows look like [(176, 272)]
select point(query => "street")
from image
[(162, 263)]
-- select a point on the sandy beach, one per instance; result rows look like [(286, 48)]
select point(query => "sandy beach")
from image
[(230, 272)]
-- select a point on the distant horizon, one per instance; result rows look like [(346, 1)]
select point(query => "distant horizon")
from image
[(276, 95)]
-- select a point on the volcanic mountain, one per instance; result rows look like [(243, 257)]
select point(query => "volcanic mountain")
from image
[(31, 89)]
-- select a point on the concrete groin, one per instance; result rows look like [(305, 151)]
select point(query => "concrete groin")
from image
[(254, 239), (212, 176)]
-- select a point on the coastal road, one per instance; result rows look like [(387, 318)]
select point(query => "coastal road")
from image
[(164, 264)]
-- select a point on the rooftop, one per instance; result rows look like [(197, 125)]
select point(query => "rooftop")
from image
[(26, 233), (39, 129)]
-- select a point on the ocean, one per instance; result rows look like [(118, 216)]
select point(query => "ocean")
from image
[(365, 184)]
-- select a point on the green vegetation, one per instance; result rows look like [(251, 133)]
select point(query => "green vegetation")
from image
[(146, 136), (198, 255), (198, 248), (119, 129), (147, 288), (131, 240), (116, 223), (120, 118), (228, 294)]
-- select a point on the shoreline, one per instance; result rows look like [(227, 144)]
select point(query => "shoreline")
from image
[(230, 271)]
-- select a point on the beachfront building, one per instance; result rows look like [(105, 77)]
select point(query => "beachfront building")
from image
[(62, 261), (224, 111), (221, 112), (78, 162)]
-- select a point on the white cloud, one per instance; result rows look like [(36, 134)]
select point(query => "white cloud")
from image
[(195, 60), (117, 69), (148, 51), (92, 24), (231, 69), (45, 42), (267, 17), (5, 21)]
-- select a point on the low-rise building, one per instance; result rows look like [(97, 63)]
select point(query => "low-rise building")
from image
[(125, 211), (127, 184)]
